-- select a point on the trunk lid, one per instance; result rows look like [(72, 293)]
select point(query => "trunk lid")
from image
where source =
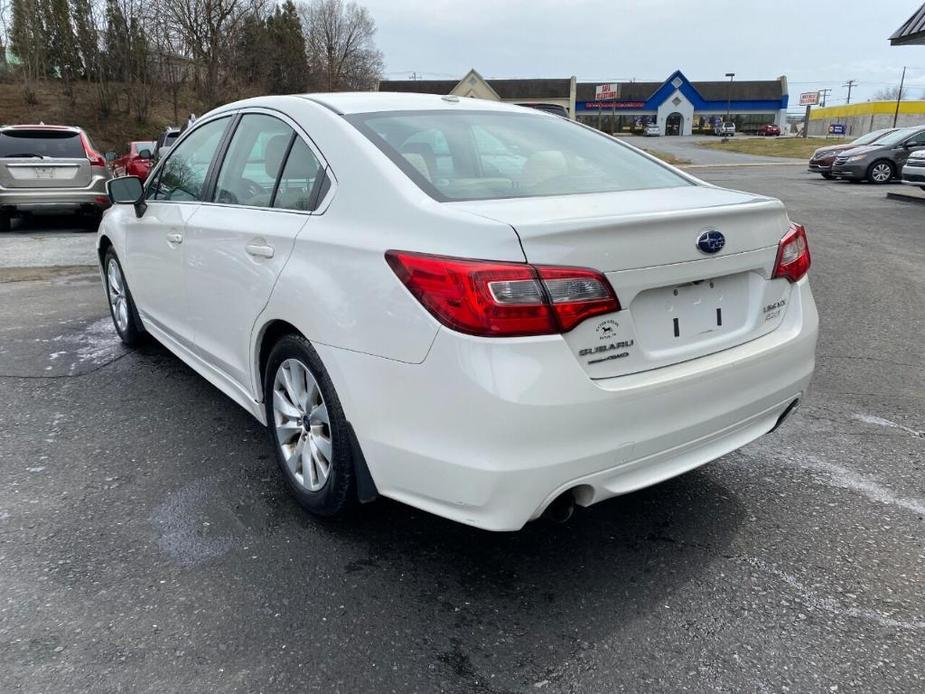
[(45, 173), (43, 158), (678, 303)]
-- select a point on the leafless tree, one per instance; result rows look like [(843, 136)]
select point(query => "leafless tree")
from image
[(207, 29), (890, 94), (339, 42)]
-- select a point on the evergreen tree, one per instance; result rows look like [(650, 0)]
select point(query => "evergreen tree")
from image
[(288, 68)]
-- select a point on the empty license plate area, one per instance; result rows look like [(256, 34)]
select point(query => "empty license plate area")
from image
[(678, 317)]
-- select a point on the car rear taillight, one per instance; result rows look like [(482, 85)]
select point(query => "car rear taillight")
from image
[(502, 299), (793, 258), (96, 159)]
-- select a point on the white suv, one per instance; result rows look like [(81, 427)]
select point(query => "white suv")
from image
[(478, 310)]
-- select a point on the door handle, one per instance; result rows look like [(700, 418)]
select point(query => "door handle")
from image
[(259, 250), (175, 238)]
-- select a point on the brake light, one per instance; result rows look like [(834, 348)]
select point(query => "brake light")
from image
[(503, 299), (96, 159), (793, 259)]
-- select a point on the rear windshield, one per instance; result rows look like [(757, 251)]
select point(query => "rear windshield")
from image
[(41, 143), (483, 155), (139, 146), (170, 138)]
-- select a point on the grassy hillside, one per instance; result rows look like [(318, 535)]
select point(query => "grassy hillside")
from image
[(109, 133)]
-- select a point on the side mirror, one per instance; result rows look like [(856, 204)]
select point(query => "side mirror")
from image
[(127, 190), (144, 154)]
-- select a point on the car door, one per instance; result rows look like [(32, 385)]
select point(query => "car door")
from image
[(912, 144), (154, 242), (238, 243)]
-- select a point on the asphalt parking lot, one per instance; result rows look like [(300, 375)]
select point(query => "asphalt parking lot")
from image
[(147, 543)]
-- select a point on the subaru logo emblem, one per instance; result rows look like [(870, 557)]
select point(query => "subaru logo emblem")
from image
[(711, 241)]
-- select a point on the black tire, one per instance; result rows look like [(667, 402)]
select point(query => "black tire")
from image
[(134, 332), (870, 170), (828, 176), (6, 222), (922, 187), (338, 493)]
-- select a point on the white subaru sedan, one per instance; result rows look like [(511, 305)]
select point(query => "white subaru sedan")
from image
[(481, 310)]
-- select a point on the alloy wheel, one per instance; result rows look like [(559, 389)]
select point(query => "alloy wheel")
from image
[(118, 300), (881, 173), (302, 424)]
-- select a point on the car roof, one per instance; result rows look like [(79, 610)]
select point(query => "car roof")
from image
[(367, 102)]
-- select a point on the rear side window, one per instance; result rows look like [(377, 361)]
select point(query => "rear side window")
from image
[(297, 183), (61, 144), (184, 173), (483, 155), (254, 159)]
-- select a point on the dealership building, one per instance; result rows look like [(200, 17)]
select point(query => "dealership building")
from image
[(677, 105)]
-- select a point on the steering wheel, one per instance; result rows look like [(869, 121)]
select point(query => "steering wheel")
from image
[(251, 188)]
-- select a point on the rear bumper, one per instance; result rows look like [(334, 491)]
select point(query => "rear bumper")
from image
[(55, 199), (489, 432)]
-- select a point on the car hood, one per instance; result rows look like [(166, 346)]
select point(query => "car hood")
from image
[(830, 149), (864, 149)]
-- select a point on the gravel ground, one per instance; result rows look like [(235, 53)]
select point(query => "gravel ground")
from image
[(148, 545)]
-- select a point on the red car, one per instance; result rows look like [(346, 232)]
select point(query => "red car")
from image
[(137, 162), (769, 129)]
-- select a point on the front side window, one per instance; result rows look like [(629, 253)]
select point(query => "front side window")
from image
[(297, 182), (253, 162), (480, 155), (183, 175)]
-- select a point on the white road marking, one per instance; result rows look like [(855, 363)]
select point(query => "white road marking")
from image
[(880, 421)]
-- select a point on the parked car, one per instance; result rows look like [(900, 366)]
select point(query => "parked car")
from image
[(652, 130), (314, 257), (727, 129), (913, 173), (769, 129), (822, 159), (165, 141), (555, 109), (137, 161), (50, 168), (881, 161)]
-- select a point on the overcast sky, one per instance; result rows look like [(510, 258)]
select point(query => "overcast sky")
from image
[(815, 44)]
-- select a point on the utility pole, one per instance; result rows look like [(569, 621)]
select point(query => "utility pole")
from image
[(849, 84), (899, 96), (730, 75), (825, 93)]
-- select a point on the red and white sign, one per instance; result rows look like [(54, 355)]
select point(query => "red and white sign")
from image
[(809, 98), (607, 92)]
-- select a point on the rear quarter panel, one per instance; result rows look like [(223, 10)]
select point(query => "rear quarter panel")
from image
[(337, 288)]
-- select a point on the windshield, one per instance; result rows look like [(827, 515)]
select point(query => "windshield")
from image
[(871, 137), (139, 146), (894, 138), (63, 144), (483, 155)]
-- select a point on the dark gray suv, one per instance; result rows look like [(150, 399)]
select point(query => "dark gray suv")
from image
[(881, 161)]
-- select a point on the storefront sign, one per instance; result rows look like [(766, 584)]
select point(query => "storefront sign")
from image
[(591, 105), (606, 92), (809, 98)]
